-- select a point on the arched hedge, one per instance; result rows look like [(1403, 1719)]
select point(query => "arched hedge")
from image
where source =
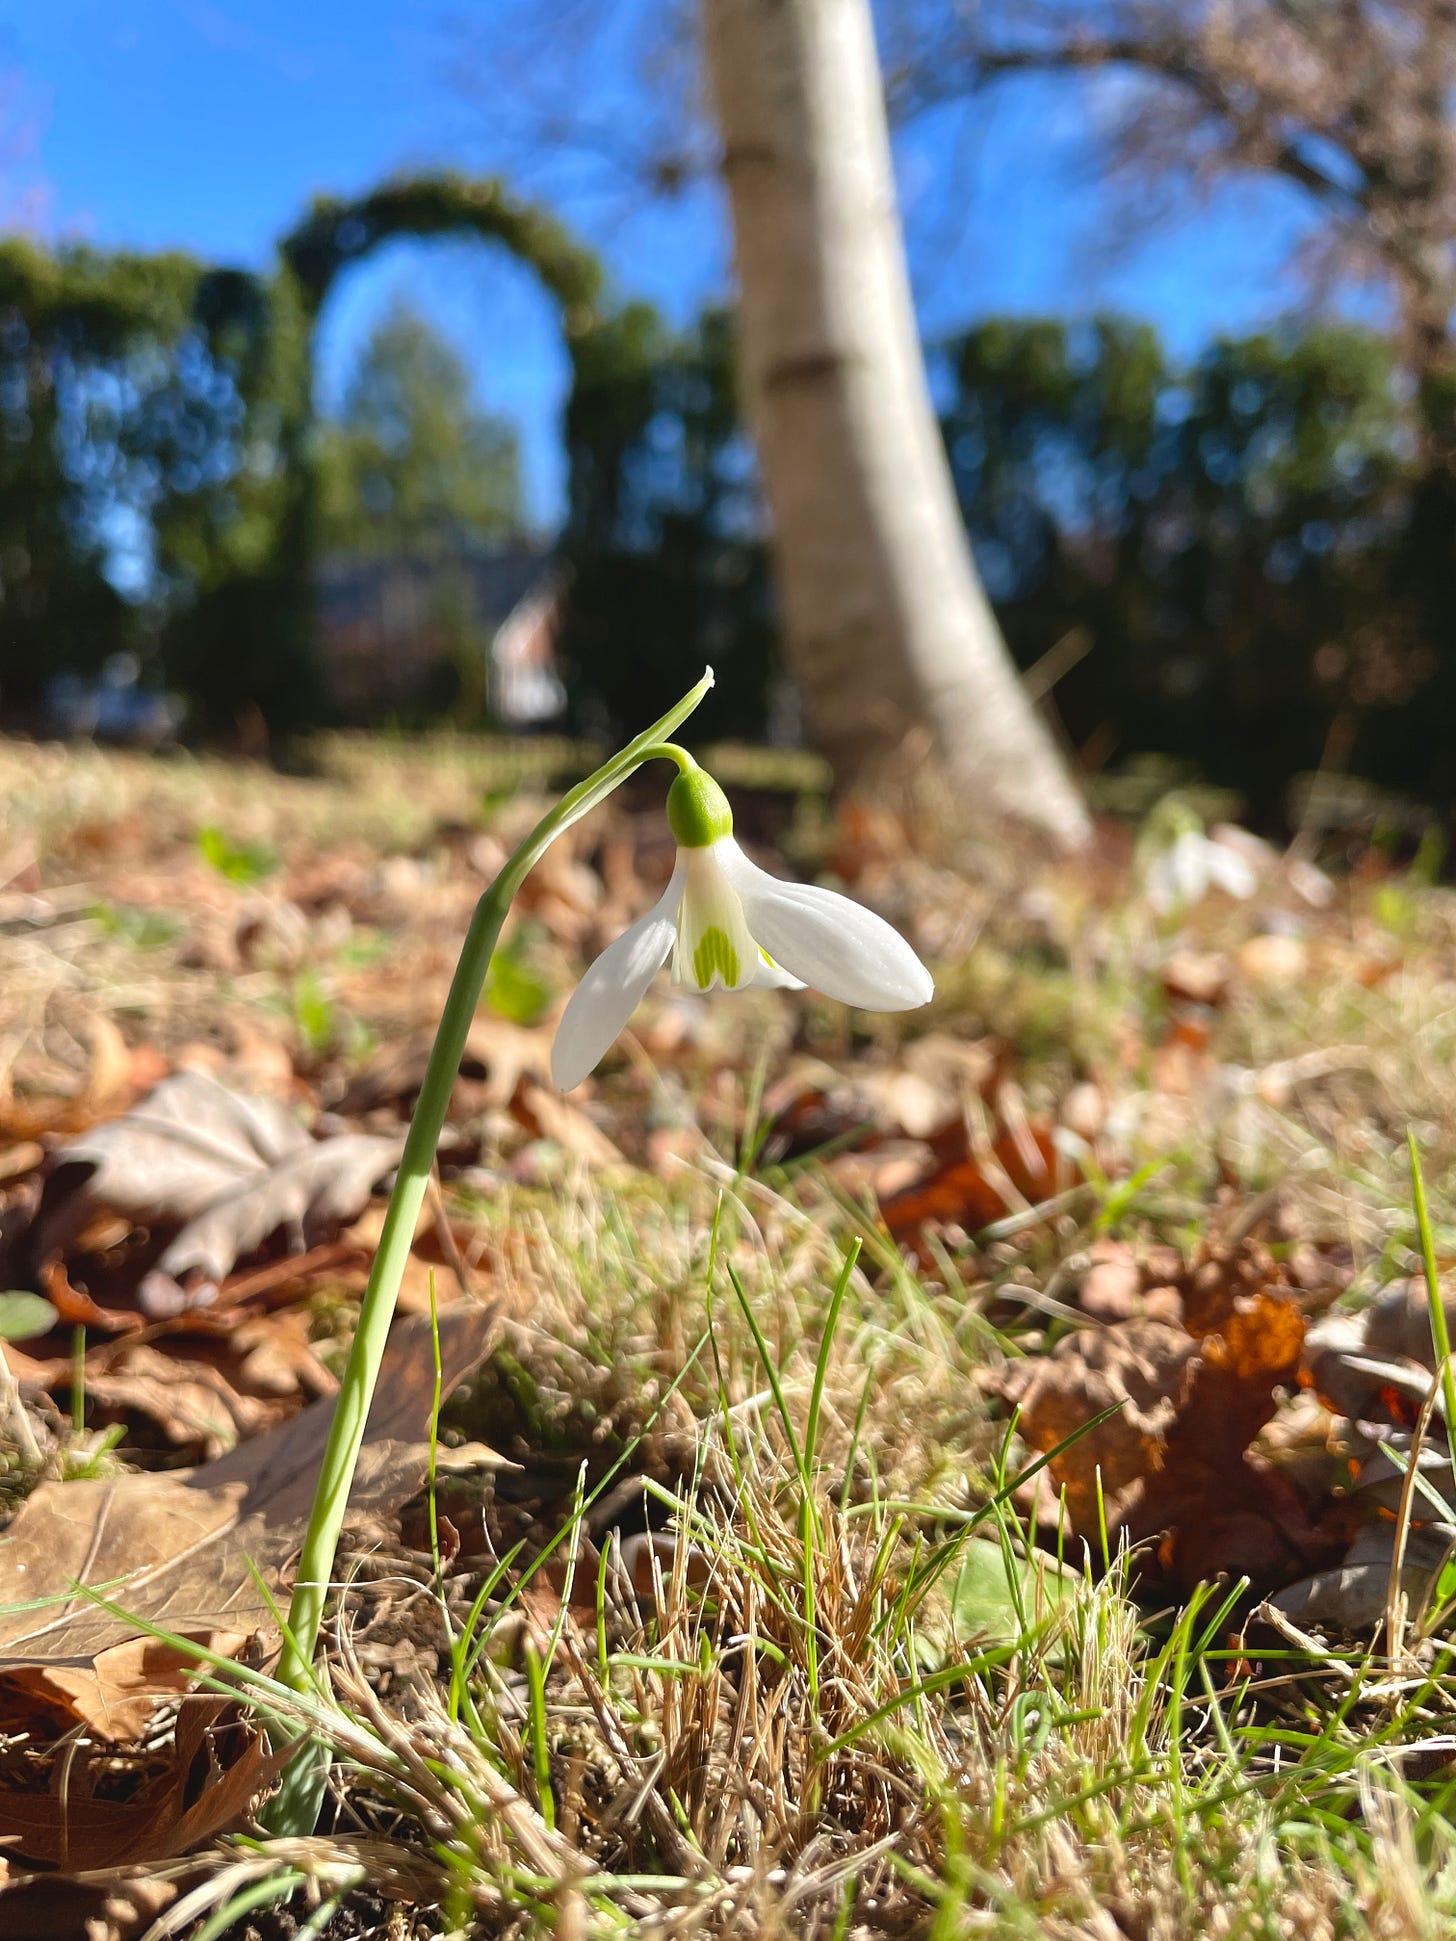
[(337, 234), (131, 379)]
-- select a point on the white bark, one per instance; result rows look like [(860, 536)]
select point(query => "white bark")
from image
[(887, 626)]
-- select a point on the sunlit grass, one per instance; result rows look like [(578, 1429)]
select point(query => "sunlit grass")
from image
[(795, 1709), (824, 1699)]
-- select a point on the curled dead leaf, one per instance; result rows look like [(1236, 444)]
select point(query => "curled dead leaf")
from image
[(1378, 1370), (180, 1549), (91, 1808), (973, 1186), (231, 1168), (205, 1391), (1118, 1286), (1139, 1369), (1177, 1476), (546, 1115)]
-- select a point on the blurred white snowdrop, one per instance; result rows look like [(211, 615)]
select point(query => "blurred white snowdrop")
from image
[(726, 923), (1189, 863), (1191, 866), (1308, 882), (1186, 863)]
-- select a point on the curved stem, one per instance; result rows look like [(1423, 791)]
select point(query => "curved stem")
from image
[(303, 1780), (668, 751)]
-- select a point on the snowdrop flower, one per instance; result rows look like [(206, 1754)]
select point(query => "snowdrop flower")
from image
[(1191, 866), (723, 921)]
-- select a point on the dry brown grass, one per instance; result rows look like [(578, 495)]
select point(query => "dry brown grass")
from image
[(783, 1717)]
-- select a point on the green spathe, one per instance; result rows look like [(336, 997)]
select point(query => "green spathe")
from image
[(697, 810)]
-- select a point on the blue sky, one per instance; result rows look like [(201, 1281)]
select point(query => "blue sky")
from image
[(207, 124)]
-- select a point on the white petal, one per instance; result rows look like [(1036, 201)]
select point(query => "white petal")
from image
[(612, 989), (714, 942), (1189, 865), (773, 977), (1229, 871), (1159, 886), (826, 940)]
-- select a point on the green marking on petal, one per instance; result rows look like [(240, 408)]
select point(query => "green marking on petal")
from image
[(714, 953)]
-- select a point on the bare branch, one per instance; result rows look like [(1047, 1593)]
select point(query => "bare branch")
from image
[(1352, 101)]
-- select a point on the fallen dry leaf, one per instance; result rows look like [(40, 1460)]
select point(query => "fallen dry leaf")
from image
[(427, 1268), (1107, 1293), (1196, 977), (1141, 1365), (1112, 1286), (206, 1391), (76, 1307), (109, 1081), (105, 1904), (69, 1811), (19, 1159), (175, 1548), (1182, 1065), (1177, 1475), (1376, 1366), (498, 1055), (1353, 1597), (803, 1117), (58, 1099), (546, 1115), (232, 1168), (974, 1186), (1377, 1369), (1274, 959)]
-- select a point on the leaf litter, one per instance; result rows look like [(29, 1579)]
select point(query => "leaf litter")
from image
[(203, 1555), (186, 1549), (1173, 1467), (192, 1177), (231, 1170)]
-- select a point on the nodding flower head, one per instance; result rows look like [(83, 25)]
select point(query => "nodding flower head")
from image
[(725, 922)]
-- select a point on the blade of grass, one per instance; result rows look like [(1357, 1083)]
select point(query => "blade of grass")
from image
[(1440, 1335)]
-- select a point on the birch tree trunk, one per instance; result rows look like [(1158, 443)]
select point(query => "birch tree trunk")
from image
[(888, 629)]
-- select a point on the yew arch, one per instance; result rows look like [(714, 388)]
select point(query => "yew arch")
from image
[(337, 234)]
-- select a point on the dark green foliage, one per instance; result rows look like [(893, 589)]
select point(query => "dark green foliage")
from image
[(156, 433), (1259, 546), (1240, 538), (335, 234), (665, 538), (412, 466), (67, 327), (149, 414)]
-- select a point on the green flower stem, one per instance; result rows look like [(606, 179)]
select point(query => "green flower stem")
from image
[(669, 751), (1436, 1307), (356, 1391)]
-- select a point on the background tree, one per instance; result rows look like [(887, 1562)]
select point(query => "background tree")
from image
[(884, 625), (141, 402), (412, 464), (1232, 537), (885, 622), (58, 609), (1353, 102), (1252, 540), (665, 537), (1350, 102)]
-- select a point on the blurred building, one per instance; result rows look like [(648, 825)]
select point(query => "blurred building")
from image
[(117, 704), (418, 634)]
